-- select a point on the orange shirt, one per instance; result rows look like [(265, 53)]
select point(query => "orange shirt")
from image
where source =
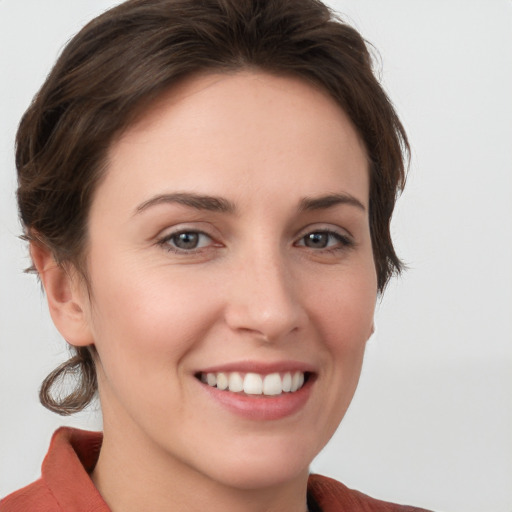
[(65, 485)]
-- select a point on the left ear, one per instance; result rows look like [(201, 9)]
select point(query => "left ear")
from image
[(67, 296)]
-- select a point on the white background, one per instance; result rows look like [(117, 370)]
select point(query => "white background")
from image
[(431, 423)]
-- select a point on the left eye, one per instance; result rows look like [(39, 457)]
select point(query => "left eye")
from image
[(323, 240), (188, 240)]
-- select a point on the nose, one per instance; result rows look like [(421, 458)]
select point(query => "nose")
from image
[(263, 299)]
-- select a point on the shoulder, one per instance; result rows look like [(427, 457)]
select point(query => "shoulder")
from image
[(65, 485), (35, 497), (333, 496)]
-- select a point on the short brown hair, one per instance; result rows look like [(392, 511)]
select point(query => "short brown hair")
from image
[(128, 56)]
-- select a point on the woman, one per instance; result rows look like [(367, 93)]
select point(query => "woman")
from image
[(207, 190)]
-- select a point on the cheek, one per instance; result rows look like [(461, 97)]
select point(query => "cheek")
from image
[(142, 320), (342, 310), (144, 328), (344, 305)]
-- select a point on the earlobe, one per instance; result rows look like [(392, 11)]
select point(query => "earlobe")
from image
[(372, 330), (66, 295)]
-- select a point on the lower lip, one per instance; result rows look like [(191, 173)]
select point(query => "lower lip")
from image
[(260, 407)]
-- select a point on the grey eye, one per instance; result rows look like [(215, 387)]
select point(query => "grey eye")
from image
[(318, 240), (324, 240), (189, 240)]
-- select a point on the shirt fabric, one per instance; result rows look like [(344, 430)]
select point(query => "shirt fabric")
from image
[(65, 484)]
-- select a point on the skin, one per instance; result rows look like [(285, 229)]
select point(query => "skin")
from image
[(253, 291)]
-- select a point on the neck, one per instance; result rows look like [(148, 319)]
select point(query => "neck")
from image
[(132, 475)]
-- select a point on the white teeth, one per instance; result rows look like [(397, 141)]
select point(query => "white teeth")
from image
[(222, 381), (272, 384), (211, 379), (236, 384), (297, 381), (287, 382), (253, 384)]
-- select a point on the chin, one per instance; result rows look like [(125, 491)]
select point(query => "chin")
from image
[(260, 464), (246, 476)]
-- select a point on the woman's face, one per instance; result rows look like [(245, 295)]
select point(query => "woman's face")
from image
[(229, 243)]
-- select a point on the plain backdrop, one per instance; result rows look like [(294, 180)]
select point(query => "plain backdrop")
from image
[(431, 422)]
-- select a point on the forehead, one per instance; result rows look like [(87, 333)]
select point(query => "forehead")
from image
[(244, 82), (237, 128), (218, 93)]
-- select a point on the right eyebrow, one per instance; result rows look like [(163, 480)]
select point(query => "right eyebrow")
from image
[(330, 200), (192, 200)]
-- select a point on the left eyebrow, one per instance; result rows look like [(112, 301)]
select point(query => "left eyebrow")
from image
[(196, 201), (328, 201)]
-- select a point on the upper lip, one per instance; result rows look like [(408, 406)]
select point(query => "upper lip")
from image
[(263, 368)]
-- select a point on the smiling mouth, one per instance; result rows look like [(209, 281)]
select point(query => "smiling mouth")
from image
[(255, 384)]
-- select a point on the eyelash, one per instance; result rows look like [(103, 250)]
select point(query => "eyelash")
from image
[(344, 242), (165, 241)]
